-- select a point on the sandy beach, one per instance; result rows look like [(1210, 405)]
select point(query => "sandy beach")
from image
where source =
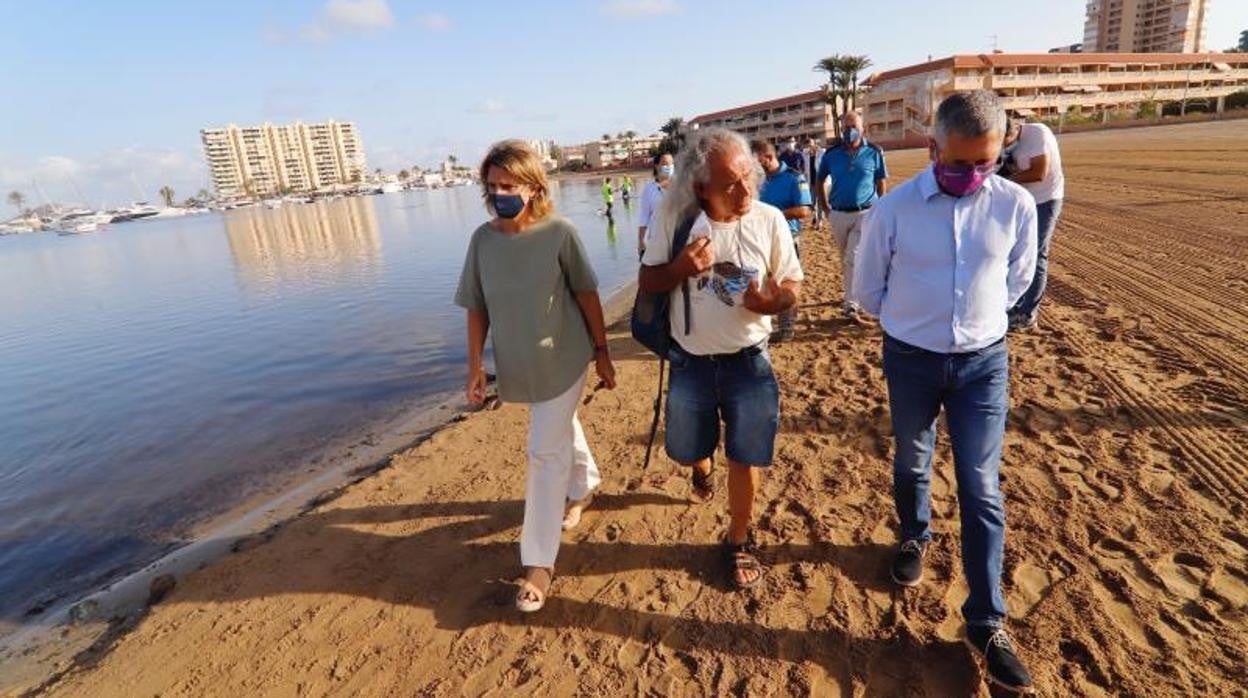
[(1125, 472)]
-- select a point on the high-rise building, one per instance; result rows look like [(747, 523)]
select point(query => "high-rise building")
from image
[(1145, 26), (268, 159)]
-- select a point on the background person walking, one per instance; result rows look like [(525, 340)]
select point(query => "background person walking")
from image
[(859, 177), (1034, 160)]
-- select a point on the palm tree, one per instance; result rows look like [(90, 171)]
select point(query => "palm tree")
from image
[(674, 134), (841, 91), (202, 195), (17, 199), (833, 92), (606, 137), (404, 175), (453, 160), (851, 66), (166, 193)]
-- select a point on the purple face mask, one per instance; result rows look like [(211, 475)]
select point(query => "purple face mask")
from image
[(960, 180)]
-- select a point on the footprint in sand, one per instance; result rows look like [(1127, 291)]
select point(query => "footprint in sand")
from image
[(1183, 574), (1031, 585)]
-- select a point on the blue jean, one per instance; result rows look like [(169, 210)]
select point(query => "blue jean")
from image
[(740, 390), (973, 389), (1046, 222)]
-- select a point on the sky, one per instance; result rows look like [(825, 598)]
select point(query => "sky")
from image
[(107, 98)]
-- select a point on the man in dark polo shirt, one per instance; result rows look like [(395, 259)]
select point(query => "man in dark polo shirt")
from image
[(859, 177)]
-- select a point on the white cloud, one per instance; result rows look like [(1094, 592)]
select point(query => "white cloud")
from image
[(640, 8), (338, 17), (314, 33), (111, 177), (359, 14), (489, 106), (435, 22)]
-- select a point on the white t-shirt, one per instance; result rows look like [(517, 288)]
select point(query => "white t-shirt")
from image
[(754, 247), (1033, 140), (651, 197)]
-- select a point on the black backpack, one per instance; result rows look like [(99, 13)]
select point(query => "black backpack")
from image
[(651, 324)]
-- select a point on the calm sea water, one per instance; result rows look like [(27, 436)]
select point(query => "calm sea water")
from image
[(156, 373)]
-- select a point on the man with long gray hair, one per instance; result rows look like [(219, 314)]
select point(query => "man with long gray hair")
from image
[(737, 270), (942, 260)]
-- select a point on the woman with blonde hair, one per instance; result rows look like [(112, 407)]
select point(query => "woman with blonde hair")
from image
[(528, 283)]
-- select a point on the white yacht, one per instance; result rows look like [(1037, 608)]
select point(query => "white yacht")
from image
[(134, 212)]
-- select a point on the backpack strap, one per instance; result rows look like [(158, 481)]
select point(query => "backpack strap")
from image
[(679, 240)]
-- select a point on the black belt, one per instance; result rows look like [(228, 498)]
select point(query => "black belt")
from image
[(754, 350), (855, 209), (929, 352)]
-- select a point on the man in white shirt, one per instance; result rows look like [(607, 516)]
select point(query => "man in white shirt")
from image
[(740, 269), (664, 168), (1034, 160)]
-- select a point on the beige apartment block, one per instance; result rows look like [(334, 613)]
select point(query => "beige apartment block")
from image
[(900, 104), (1145, 26), (800, 116), (620, 151), (264, 160)]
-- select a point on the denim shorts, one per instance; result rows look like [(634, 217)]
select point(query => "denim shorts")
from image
[(740, 390)]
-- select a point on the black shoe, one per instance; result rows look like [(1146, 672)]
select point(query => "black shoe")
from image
[(996, 648), (1023, 324), (907, 569)]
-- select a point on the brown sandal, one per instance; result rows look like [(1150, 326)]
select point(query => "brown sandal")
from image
[(703, 484), (740, 558), (530, 598)]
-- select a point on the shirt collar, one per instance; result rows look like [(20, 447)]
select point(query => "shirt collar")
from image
[(782, 168), (927, 183)]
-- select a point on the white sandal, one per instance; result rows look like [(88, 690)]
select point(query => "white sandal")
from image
[(572, 517), (529, 598)]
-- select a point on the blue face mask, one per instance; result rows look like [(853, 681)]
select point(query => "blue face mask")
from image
[(851, 135), (666, 171), (507, 205)]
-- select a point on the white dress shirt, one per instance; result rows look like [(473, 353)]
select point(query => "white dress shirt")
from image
[(941, 271)]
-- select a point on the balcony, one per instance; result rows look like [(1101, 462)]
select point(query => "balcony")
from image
[(970, 82)]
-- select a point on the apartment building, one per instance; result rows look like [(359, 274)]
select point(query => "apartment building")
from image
[(268, 159), (620, 151), (899, 107), (1145, 26), (801, 116)]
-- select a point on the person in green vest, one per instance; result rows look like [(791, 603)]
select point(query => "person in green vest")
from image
[(608, 195), (626, 188)]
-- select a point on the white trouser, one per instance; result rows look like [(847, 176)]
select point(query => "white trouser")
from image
[(560, 468), (846, 230)]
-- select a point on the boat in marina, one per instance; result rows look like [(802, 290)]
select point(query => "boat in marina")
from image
[(136, 211)]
